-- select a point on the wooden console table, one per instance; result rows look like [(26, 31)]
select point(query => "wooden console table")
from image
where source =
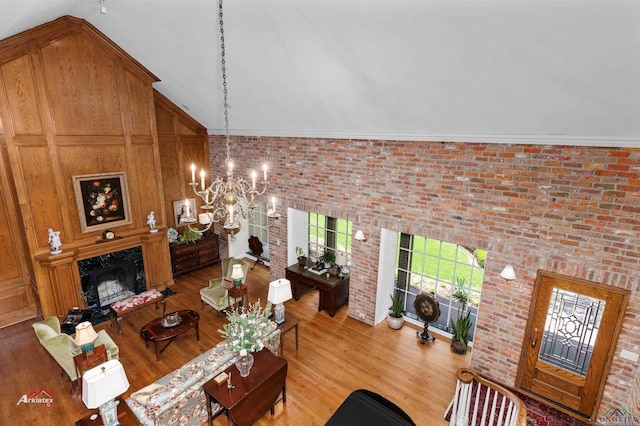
[(190, 256), (334, 291)]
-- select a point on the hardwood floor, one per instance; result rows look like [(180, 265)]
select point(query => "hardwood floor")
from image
[(336, 356)]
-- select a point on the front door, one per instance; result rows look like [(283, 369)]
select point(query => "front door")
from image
[(570, 340)]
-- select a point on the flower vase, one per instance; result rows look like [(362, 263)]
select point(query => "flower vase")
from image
[(244, 364)]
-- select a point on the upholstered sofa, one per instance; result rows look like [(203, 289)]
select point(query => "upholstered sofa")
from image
[(178, 398), (61, 347)]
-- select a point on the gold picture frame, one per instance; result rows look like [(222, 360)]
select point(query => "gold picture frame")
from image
[(102, 200)]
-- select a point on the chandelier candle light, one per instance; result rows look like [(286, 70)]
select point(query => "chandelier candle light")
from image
[(229, 197)]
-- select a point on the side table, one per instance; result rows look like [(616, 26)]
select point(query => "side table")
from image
[(88, 360), (252, 396), (237, 292), (125, 416), (290, 322)]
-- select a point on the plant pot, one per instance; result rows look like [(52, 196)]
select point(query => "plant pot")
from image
[(458, 348), (395, 323), (302, 262)]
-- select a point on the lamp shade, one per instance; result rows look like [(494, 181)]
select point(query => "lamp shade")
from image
[(279, 291), (85, 334), (204, 218), (236, 272), (360, 235), (103, 383), (508, 273), (341, 258)]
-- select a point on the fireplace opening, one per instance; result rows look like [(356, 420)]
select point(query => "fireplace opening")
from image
[(114, 282), (111, 277)]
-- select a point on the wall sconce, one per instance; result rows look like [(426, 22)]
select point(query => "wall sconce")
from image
[(508, 273), (360, 236), (103, 8)]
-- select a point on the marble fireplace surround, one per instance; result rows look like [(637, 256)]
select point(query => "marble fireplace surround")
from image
[(65, 272), (111, 277)]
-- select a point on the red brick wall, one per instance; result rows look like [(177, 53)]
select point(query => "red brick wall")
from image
[(570, 210)]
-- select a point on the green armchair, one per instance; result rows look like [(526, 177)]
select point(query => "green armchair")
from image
[(61, 347), (216, 294)]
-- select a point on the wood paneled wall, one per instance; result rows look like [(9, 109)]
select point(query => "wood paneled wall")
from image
[(73, 103), (182, 141)]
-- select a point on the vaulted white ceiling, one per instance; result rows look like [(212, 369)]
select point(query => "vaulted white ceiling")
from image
[(561, 71)]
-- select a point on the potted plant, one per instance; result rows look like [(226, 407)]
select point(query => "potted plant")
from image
[(395, 319), (302, 259), (462, 324), (328, 257), (188, 236)]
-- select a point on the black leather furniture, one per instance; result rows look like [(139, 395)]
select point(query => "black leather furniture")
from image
[(366, 408)]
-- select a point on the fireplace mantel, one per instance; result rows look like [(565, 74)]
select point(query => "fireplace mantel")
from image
[(64, 274)]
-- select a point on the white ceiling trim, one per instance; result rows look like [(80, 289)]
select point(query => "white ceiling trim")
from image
[(569, 140)]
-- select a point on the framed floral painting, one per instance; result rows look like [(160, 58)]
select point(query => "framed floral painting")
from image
[(102, 200)]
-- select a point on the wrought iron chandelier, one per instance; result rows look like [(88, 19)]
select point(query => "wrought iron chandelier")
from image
[(228, 198)]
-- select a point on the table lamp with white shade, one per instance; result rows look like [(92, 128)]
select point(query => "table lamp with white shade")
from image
[(341, 261), (101, 385), (279, 292), (85, 337), (237, 274)]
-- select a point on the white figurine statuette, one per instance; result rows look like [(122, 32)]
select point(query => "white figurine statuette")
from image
[(54, 241), (151, 221)]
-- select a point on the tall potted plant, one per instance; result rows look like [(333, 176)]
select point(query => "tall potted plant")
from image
[(395, 319), (462, 324)]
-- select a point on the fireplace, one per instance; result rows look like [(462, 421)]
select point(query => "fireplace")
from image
[(111, 277), (114, 282)]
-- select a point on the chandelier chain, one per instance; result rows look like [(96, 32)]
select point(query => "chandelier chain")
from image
[(224, 83), (228, 198)]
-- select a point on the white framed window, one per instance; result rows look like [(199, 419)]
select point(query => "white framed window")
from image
[(426, 265), (259, 226), (326, 232)]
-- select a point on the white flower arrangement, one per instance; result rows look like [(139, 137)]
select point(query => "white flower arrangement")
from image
[(172, 235), (247, 328)]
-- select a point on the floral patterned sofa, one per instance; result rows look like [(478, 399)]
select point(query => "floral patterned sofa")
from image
[(178, 398)]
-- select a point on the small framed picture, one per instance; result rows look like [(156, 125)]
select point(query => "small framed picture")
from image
[(184, 211), (102, 200)]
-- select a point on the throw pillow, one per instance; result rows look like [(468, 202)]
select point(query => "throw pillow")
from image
[(148, 394)]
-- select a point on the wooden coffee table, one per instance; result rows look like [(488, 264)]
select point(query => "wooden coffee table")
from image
[(251, 396), (156, 333)]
